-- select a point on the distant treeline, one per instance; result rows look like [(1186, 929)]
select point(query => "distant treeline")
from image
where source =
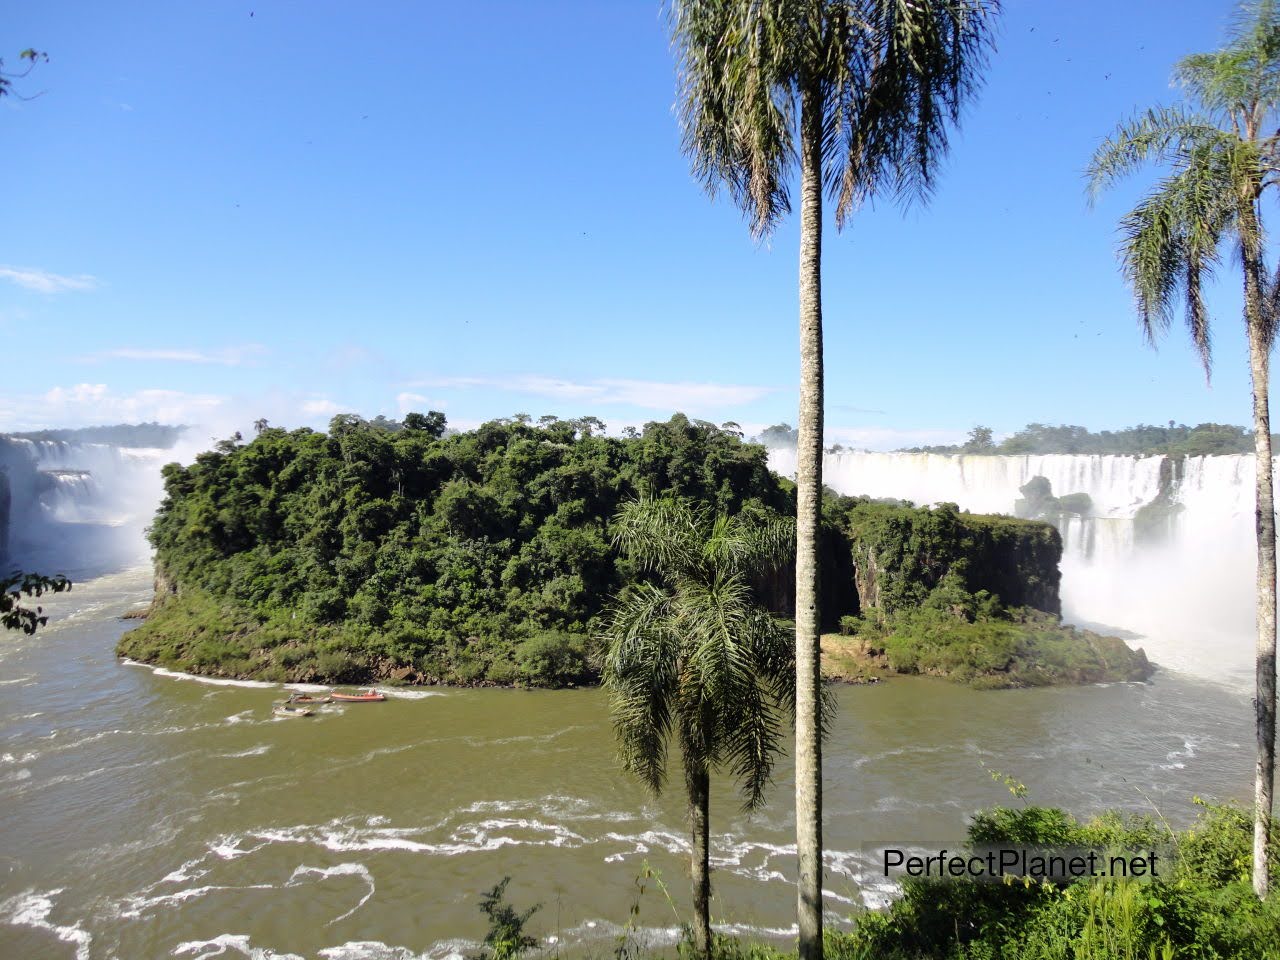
[(1205, 439), (119, 435)]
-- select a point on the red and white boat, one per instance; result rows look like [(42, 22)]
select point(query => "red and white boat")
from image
[(364, 696)]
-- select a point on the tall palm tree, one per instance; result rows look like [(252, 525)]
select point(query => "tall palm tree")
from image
[(1223, 152), (860, 95), (694, 658)]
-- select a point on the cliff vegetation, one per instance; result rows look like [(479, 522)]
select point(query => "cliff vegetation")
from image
[(970, 597)]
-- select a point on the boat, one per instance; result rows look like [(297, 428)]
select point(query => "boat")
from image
[(367, 696), (308, 698), (289, 710)]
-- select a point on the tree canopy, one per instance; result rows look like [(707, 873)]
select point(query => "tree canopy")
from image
[(470, 557)]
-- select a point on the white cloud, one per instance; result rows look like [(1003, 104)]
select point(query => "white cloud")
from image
[(407, 402), (887, 438), (681, 396), (85, 404), (229, 356), (648, 394), (321, 407), (43, 281)]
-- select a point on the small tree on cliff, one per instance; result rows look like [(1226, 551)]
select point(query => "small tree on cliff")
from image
[(1223, 153), (696, 660)]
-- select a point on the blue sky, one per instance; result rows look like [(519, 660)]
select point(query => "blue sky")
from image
[(218, 211)]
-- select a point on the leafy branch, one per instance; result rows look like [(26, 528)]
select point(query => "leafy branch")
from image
[(15, 616)]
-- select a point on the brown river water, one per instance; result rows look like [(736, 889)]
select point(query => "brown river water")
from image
[(151, 815)]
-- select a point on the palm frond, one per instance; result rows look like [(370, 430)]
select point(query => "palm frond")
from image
[(734, 102), (755, 546), (1160, 135), (898, 85), (696, 660), (1242, 80), (660, 535), (889, 78), (1170, 245), (640, 675)]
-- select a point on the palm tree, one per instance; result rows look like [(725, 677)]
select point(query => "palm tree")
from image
[(860, 95), (1222, 152), (694, 658)]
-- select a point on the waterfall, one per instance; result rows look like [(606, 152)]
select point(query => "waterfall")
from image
[(1188, 594), (78, 507)]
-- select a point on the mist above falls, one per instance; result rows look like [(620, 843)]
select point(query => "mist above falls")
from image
[(79, 509), (1188, 594)]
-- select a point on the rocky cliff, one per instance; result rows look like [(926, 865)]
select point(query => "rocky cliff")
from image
[(901, 553)]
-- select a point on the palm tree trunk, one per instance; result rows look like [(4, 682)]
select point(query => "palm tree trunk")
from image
[(808, 513), (700, 824), (1265, 525)]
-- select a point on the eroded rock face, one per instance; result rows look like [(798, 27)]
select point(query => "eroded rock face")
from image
[(901, 553)]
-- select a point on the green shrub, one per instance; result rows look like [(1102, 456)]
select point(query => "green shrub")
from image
[(556, 659), (1200, 907)]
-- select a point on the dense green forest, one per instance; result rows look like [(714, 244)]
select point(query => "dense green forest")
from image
[(381, 548)]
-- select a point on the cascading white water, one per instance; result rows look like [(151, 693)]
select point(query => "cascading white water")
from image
[(1191, 598), (79, 506)]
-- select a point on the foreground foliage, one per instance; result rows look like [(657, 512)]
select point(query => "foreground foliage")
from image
[(1202, 908), (695, 659), (14, 615)]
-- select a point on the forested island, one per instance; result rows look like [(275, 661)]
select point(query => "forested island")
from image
[(401, 551)]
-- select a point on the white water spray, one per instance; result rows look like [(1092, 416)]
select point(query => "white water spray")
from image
[(1191, 598)]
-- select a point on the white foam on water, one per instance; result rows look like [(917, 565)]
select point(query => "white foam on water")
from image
[(665, 840), (341, 836), (228, 848), (244, 716), (5, 683), (211, 681), (237, 943), (181, 875), (257, 751), (32, 909), (24, 758), (400, 693), (749, 930), (13, 776), (341, 870), (377, 950), (136, 906), (553, 805), (1176, 757)]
